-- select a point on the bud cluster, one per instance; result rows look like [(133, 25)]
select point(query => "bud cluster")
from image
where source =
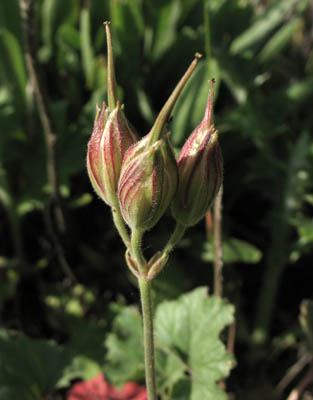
[(141, 178)]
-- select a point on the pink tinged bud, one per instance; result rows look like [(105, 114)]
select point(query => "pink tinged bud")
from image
[(147, 183), (116, 139), (94, 163), (149, 173), (110, 139), (200, 167), (112, 135)]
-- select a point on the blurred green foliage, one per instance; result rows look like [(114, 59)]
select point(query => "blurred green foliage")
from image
[(261, 55)]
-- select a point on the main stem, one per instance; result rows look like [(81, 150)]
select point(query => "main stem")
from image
[(146, 304), (136, 240)]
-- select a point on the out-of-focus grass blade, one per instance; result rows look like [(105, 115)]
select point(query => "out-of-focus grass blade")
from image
[(132, 10), (234, 250), (300, 91), (100, 74), (53, 14), (128, 28), (13, 72), (262, 26), (237, 74), (165, 29), (145, 106), (86, 47), (67, 54), (295, 186), (288, 100), (302, 5), (137, 15), (279, 41), (10, 17), (187, 6), (69, 35)]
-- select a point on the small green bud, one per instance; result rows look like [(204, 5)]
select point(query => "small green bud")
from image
[(156, 264), (147, 183), (200, 169), (132, 265)]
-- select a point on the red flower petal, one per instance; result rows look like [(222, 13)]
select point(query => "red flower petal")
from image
[(98, 389), (132, 391), (95, 389)]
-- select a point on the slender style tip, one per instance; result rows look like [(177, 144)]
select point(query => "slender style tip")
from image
[(98, 112), (209, 109), (111, 81), (163, 117)]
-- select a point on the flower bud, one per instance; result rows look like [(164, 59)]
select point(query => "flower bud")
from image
[(156, 264), (132, 265), (147, 183), (112, 135), (110, 139), (200, 169), (149, 173), (94, 163)]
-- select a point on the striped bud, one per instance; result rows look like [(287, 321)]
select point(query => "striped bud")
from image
[(200, 169), (111, 137), (149, 173), (147, 183)]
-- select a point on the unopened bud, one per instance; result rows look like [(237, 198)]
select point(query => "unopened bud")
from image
[(112, 135), (110, 139), (147, 183), (149, 172), (131, 264), (94, 159), (200, 169), (156, 264)]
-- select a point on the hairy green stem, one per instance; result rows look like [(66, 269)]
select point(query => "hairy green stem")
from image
[(120, 226), (136, 240), (146, 304), (175, 238)]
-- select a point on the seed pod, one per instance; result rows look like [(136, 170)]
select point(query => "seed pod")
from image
[(147, 183), (200, 169)]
